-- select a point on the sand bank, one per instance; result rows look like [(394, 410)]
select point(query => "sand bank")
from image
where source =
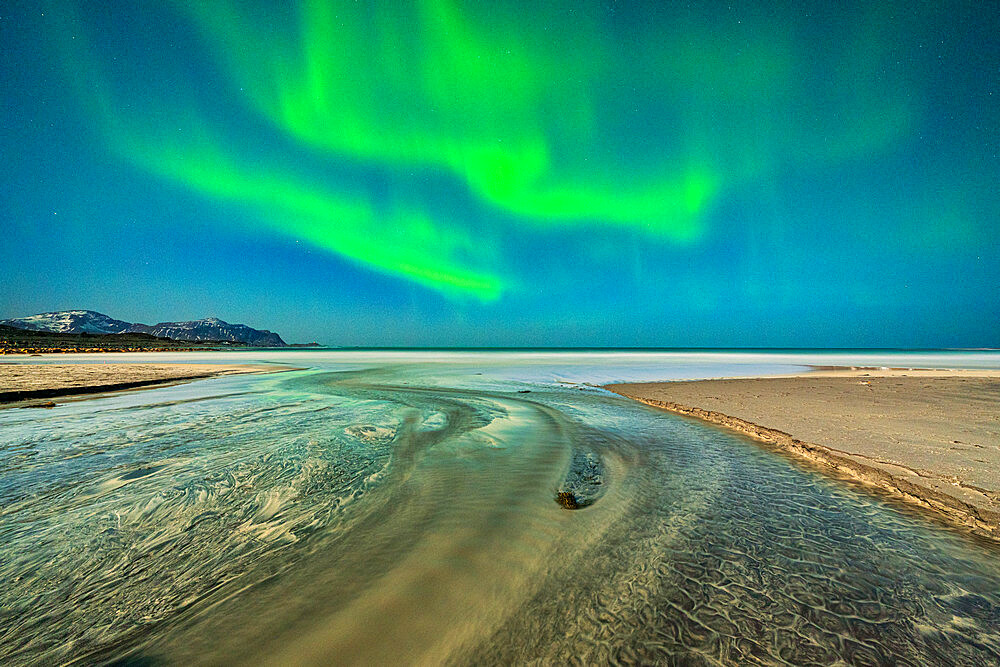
[(23, 382), (932, 436)]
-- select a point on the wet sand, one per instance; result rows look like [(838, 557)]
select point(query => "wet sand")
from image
[(34, 382), (932, 436)]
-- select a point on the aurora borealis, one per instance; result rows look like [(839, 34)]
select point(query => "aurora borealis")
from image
[(448, 173)]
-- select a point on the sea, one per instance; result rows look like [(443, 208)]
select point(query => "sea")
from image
[(399, 506)]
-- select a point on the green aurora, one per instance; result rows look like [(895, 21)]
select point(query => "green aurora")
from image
[(444, 143)]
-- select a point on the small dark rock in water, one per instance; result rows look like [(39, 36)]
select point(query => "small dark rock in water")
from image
[(524, 391), (567, 500), (48, 404)]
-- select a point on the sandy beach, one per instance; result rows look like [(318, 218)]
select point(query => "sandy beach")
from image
[(932, 436), (391, 503), (24, 382)]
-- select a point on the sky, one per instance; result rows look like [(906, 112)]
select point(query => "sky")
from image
[(441, 173)]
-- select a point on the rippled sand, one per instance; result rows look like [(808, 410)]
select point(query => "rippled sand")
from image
[(932, 435), (398, 515)]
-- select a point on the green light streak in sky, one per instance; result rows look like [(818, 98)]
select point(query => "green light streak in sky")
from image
[(403, 242), (397, 243), (428, 88), (581, 125)]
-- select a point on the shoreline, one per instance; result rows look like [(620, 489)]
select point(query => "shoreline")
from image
[(39, 351), (29, 383), (870, 425)]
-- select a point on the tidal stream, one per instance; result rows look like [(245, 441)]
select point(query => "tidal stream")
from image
[(404, 512)]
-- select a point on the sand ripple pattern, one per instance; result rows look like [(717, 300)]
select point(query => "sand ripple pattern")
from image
[(383, 516)]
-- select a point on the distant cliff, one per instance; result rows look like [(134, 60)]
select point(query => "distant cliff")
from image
[(70, 321), (32, 341), (91, 322), (212, 328)]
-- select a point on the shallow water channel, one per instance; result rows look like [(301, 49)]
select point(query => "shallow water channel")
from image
[(405, 512)]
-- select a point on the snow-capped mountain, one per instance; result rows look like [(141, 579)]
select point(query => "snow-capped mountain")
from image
[(88, 321), (211, 328), (70, 321)]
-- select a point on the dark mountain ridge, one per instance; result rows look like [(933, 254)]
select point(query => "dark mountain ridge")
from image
[(14, 340), (92, 322)]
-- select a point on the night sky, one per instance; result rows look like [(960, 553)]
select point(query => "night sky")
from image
[(516, 174)]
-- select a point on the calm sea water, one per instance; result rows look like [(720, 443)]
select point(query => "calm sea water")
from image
[(398, 507)]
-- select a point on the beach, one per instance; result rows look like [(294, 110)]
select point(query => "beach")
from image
[(390, 506), (932, 436), (26, 382)]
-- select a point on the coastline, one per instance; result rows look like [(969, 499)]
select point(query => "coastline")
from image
[(38, 351), (28, 383), (930, 437)]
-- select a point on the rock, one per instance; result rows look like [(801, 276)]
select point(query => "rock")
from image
[(47, 404), (567, 500)]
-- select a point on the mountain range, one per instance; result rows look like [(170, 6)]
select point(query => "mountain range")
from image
[(91, 322)]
